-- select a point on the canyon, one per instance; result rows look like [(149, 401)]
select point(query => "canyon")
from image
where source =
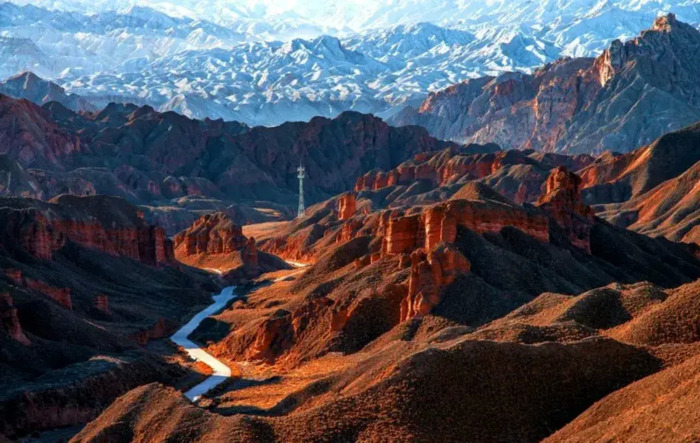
[(444, 254), (522, 266), (451, 304), (75, 318)]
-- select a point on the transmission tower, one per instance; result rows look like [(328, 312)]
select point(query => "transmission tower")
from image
[(301, 176)]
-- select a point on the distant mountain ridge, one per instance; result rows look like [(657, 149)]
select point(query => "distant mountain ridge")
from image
[(631, 94), (29, 86), (178, 167), (265, 70)]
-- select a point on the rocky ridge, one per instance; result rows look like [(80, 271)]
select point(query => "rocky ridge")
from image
[(570, 106)]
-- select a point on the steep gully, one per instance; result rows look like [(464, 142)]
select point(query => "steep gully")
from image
[(220, 370)]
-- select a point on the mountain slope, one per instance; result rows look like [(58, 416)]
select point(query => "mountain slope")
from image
[(623, 99), (72, 326), (634, 412), (180, 167), (268, 68), (652, 189), (28, 86)]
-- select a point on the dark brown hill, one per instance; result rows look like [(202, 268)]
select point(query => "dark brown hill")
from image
[(85, 283), (661, 407)]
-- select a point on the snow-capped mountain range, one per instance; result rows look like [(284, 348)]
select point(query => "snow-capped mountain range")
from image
[(209, 59)]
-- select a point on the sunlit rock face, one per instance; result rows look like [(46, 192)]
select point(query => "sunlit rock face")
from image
[(562, 201), (107, 224), (347, 205), (571, 105), (210, 234)]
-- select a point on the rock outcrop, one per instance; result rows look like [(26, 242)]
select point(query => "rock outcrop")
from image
[(347, 205), (429, 274), (562, 201), (215, 242), (431, 177), (102, 303), (59, 295), (438, 223), (571, 105), (615, 178), (210, 234), (196, 165), (79, 292), (10, 321), (29, 135), (104, 223)]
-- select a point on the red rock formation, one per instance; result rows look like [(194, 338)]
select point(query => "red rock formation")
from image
[(105, 223), (274, 335), (60, 295), (404, 233), (28, 135), (562, 201), (210, 234), (348, 230), (8, 316), (250, 255), (14, 275), (517, 175), (347, 205), (278, 332), (429, 274), (214, 241), (439, 223), (102, 303), (160, 329)]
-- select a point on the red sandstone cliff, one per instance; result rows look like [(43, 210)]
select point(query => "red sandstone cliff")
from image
[(210, 234), (572, 105), (347, 205), (215, 242), (104, 223), (562, 201), (517, 175)]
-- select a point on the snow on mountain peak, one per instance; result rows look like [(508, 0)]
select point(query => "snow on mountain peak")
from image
[(274, 62)]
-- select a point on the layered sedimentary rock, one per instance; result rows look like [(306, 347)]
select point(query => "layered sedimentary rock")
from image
[(670, 209), (431, 177), (108, 224), (562, 201), (102, 303), (59, 295), (29, 135), (347, 205), (428, 275), (210, 234), (572, 105), (196, 165), (616, 178), (250, 254), (439, 223), (651, 190), (214, 242), (80, 293)]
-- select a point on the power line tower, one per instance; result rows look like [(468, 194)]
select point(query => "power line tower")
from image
[(301, 176)]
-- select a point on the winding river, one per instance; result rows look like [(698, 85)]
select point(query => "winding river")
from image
[(221, 371)]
